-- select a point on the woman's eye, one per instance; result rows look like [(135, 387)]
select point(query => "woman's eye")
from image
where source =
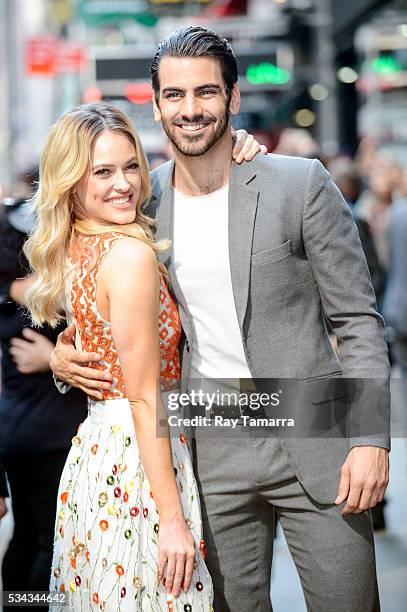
[(132, 166), (102, 172)]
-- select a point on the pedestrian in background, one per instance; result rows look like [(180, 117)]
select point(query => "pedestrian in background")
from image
[(345, 174), (36, 422), (3, 492), (395, 302), (374, 204)]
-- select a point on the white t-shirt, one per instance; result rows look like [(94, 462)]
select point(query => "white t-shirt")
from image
[(201, 260)]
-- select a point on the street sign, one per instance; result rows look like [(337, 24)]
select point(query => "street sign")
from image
[(40, 54), (47, 55), (147, 12), (71, 57), (96, 12), (167, 6), (163, 3)]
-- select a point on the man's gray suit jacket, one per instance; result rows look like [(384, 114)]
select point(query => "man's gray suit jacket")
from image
[(296, 262)]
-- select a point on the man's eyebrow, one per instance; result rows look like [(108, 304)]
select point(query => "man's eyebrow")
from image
[(132, 159), (197, 89), (208, 86), (167, 89)]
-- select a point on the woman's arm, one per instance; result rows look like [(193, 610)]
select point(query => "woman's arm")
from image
[(129, 287), (19, 286)]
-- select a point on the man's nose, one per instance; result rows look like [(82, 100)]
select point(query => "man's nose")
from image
[(191, 107)]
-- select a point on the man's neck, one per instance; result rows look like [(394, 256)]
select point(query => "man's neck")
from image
[(197, 176)]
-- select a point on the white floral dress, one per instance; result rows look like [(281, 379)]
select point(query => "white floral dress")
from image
[(106, 533)]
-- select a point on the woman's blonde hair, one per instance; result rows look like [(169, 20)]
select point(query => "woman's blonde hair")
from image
[(65, 159)]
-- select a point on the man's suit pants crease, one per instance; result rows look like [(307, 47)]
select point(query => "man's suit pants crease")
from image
[(243, 481)]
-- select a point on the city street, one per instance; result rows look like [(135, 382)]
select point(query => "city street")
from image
[(258, 149)]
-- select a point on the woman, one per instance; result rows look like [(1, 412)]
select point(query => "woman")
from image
[(128, 532)]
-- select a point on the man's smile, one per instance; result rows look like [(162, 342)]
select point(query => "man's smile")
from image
[(193, 127)]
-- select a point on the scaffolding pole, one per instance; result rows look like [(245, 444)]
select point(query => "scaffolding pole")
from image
[(6, 172), (324, 58)]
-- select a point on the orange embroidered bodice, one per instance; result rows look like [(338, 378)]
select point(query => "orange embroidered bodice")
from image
[(85, 257)]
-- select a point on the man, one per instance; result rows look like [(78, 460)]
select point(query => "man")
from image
[(260, 254)]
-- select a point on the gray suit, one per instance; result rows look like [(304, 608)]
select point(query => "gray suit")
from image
[(296, 261)]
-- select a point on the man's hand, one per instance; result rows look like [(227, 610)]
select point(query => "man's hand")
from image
[(32, 354), (68, 364), (246, 146), (19, 286), (364, 478), (3, 507)]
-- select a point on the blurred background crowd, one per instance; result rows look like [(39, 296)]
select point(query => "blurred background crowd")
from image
[(319, 78)]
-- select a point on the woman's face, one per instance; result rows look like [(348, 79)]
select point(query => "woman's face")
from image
[(109, 191)]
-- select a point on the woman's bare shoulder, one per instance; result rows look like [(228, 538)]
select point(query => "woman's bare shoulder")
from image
[(129, 254), (128, 259)]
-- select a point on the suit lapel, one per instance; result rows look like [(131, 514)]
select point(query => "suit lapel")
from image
[(162, 194), (243, 198)]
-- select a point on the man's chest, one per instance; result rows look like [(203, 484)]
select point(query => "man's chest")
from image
[(201, 241)]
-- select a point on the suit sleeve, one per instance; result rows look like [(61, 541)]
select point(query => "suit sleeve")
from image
[(339, 266)]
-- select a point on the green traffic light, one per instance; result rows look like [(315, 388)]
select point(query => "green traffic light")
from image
[(386, 64), (266, 72)]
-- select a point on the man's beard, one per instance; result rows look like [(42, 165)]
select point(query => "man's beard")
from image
[(194, 146)]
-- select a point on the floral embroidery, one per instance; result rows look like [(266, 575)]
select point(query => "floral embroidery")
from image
[(86, 256)]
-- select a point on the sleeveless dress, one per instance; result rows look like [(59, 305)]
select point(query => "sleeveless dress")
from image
[(106, 532)]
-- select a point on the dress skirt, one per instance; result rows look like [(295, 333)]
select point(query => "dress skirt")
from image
[(106, 532)]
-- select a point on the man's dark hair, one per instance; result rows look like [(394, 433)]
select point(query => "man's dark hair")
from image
[(194, 41)]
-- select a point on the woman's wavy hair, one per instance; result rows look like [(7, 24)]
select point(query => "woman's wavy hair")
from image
[(65, 159)]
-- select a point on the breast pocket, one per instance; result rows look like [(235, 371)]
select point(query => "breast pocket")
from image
[(272, 255)]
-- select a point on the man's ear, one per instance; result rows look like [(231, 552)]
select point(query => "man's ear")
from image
[(235, 100), (156, 110)]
